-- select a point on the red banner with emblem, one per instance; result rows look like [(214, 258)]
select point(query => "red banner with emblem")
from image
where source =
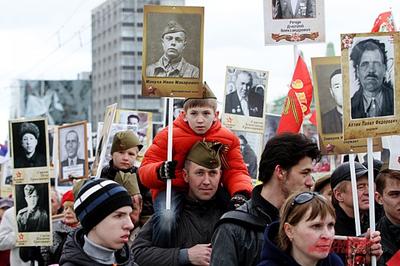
[(298, 101), (384, 23)]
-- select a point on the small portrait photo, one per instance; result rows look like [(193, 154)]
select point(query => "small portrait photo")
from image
[(250, 147), (271, 126), (245, 92), (328, 81), (32, 207), (371, 72), (72, 141), (29, 143), (290, 9), (294, 21)]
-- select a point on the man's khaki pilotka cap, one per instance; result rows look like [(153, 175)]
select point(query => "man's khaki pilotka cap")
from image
[(206, 154), (172, 27), (124, 140), (205, 94)]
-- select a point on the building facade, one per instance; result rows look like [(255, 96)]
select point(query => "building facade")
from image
[(117, 34)]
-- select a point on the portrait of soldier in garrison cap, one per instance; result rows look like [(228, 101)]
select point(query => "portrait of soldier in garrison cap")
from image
[(32, 207), (172, 63)]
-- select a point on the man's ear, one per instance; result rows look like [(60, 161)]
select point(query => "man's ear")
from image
[(280, 172), (379, 198), (185, 175), (338, 195)]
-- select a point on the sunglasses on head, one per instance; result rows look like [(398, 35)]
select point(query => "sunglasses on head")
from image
[(304, 197)]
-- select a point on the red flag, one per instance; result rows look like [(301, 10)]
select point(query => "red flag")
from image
[(313, 118), (297, 103), (394, 260), (384, 23)]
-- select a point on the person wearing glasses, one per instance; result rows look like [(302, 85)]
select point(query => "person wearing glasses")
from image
[(285, 167), (304, 235), (374, 96)]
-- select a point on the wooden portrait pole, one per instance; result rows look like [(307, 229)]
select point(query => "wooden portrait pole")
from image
[(371, 192), (355, 194)]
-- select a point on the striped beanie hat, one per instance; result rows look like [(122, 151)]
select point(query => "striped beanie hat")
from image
[(97, 199)]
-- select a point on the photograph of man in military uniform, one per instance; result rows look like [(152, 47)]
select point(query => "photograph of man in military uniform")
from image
[(32, 207), (173, 46)]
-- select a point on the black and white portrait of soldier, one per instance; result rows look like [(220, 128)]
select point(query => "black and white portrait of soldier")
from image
[(247, 99), (29, 144), (172, 63), (374, 95), (72, 147), (332, 121), (32, 207), (292, 9)]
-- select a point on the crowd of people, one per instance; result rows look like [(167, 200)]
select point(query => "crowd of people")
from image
[(216, 216)]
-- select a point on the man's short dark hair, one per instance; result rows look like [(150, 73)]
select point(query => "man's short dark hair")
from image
[(383, 176), (334, 73), (367, 45), (286, 150), (133, 116)]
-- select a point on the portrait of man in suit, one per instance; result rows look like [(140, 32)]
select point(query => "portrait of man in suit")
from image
[(71, 147), (332, 121), (291, 9), (244, 100), (375, 95)]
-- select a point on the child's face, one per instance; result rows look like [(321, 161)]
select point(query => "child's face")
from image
[(200, 119)]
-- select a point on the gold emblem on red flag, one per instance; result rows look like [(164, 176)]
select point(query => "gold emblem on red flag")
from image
[(297, 84)]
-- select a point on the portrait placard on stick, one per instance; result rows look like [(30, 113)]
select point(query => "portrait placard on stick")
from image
[(287, 24), (172, 51), (328, 93), (73, 162), (245, 99), (371, 99)]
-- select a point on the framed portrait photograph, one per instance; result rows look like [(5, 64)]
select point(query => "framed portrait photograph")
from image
[(72, 151), (172, 51), (328, 94), (102, 137), (294, 21), (271, 126), (245, 99), (29, 149), (32, 211), (251, 145), (371, 99)]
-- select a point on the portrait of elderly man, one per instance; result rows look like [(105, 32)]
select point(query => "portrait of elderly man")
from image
[(72, 145), (374, 97), (29, 139), (244, 100), (332, 121), (172, 63), (32, 218)]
